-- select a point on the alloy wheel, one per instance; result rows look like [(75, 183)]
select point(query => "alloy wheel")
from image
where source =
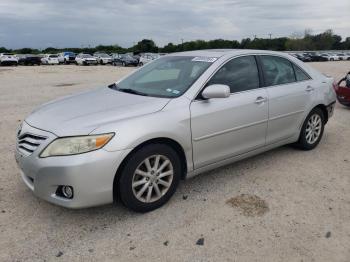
[(152, 178), (313, 129)]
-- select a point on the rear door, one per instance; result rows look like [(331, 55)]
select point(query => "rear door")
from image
[(290, 92), (226, 127)]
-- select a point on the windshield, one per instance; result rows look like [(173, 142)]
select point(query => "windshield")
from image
[(166, 77), (86, 56), (103, 55), (126, 56), (53, 56)]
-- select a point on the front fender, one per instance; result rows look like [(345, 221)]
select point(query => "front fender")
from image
[(172, 122)]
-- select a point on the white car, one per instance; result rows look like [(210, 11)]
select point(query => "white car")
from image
[(146, 58), (8, 59), (331, 57), (85, 59), (50, 60), (343, 57), (103, 58), (66, 57)]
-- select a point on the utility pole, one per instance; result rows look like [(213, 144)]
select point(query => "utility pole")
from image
[(182, 43), (270, 36)]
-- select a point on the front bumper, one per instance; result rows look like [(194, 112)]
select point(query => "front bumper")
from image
[(106, 61), (91, 174), (343, 100), (90, 62), (9, 62)]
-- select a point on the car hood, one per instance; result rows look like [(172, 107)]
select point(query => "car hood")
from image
[(82, 113), (8, 58)]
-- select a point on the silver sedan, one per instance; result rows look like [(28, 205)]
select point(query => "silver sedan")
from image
[(174, 118)]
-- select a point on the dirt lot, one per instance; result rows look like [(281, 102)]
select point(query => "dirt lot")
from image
[(284, 205)]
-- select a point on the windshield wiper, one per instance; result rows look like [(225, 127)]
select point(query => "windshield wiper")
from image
[(131, 91), (113, 86), (126, 90)]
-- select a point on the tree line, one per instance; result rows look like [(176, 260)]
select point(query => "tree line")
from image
[(308, 41)]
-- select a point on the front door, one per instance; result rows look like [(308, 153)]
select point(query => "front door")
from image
[(226, 127)]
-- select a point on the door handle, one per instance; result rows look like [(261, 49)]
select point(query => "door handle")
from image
[(260, 100), (309, 89)]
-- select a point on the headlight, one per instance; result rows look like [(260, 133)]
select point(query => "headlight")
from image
[(76, 145)]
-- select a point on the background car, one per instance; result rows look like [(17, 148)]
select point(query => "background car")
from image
[(302, 57), (8, 59), (66, 57), (125, 60), (50, 59), (330, 57), (317, 57), (103, 58), (146, 58), (29, 59), (85, 59), (343, 93)]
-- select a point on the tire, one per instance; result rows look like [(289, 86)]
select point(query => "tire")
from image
[(307, 139), (140, 64), (137, 162)]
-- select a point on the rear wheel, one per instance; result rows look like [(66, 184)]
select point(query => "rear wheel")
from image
[(149, 178), (312, 130)]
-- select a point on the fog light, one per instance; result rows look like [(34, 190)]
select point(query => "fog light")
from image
[(67, 191)]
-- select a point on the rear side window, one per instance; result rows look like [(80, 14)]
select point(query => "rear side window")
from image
[(277, 70), (300, 74), (240, 74)]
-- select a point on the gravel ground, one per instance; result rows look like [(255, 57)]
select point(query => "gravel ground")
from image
[(283, 205)]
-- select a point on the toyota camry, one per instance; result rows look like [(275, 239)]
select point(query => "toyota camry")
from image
[(176, 117)]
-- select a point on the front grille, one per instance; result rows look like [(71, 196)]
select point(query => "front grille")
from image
[(27, 143)]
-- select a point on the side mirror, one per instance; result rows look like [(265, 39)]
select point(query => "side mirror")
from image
[(216, 91)]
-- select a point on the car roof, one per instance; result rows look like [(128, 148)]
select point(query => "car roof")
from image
[(222, 52)]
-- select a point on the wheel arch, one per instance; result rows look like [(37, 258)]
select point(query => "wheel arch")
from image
[(160, 140), (324, 111)]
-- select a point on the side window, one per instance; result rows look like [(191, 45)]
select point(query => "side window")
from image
[(240, 74), (277, 70), (300, 74)]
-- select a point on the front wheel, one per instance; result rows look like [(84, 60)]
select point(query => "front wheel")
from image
[(312, 130), (149, 178)]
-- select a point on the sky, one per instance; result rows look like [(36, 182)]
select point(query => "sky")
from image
[(83, 23)]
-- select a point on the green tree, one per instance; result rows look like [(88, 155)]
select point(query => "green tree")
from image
[(146, 45), (4, 50)]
